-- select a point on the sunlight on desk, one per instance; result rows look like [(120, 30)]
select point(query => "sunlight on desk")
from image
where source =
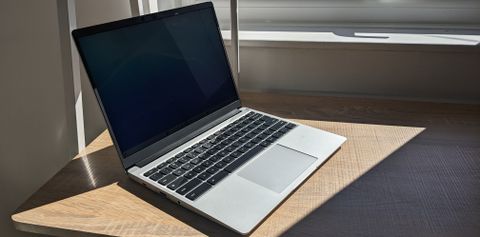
[(99, 198)]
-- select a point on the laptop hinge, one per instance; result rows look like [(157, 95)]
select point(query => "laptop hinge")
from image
[(189, 137)]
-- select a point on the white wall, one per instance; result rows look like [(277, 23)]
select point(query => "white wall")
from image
[(412, 72), (37, 121)]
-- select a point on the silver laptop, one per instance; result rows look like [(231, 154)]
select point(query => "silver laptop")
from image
[(165, 87)]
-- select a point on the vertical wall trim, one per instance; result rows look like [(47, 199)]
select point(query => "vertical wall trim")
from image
[(136, 7), (153, 6), (77, 85)]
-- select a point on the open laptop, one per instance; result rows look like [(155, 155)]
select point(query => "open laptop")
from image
[(165, 87)]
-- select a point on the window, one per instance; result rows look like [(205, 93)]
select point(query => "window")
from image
[(444, 22), (303, 15)]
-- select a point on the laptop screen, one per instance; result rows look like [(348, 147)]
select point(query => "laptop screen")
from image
[(158, 76)]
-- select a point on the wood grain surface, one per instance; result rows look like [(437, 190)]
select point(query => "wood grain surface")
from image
[(407, 169)]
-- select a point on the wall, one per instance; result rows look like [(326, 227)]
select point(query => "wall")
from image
[(412, 72), (37, 99), (37, 120)]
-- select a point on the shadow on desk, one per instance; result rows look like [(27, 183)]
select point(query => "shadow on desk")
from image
[(101, 169), (80, 175), (416, 176)]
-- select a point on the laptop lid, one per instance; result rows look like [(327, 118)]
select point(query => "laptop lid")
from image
[(158, 78)]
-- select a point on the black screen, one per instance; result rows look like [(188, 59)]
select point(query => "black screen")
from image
[(156, 77)]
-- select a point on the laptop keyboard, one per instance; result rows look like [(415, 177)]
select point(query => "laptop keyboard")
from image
[(195, 170)]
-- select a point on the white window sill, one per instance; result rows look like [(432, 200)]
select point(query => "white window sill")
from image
[(375, 38)]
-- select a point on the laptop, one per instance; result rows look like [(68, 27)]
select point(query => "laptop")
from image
[(165, 87)]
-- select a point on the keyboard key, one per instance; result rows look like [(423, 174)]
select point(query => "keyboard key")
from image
[(265, 144), (220, 164), (150, 172), (203, 156), (162, 165), (212, 170), (173, 166), (207, 163), (228, 159), (244, 158), (277, 125), (242, 149), (204, 176), (250, 145), (243, 139), (172, 159), (188, 186), (256, 140), (167, 179), (199, 168), (199, 150), (166, 170), (215, 158), (190, 174), (269, 120), (250, 135), (182, 160), (187, 166), (230, 148), (179, 172), (290, 125), (219, 147), (195, 161), (262, 136), (271, 139), (180, 154), (236, 154), (212, 151), (198, 191), (216, 178), (177, 183), (277, 134), (256, 116), (156, 176)]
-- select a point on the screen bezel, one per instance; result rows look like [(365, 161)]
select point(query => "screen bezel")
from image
[(163, 145)]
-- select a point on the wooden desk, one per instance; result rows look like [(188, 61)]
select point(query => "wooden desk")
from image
[(407, 169)]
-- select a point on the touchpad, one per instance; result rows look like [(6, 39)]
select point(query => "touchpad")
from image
[(277, 168)]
